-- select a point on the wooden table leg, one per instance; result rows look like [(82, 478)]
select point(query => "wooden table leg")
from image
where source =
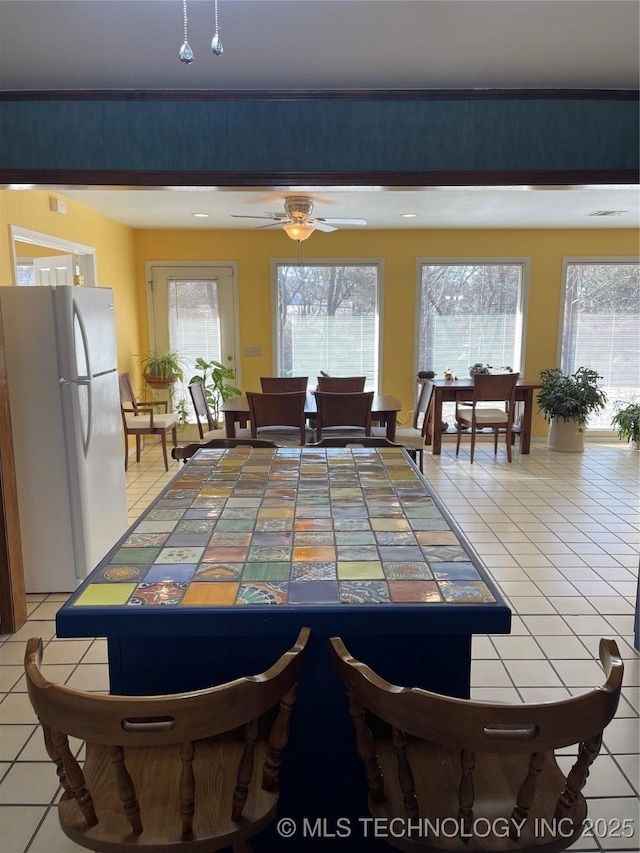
[(525, 424), (230, 424), (391, 425), (436, 422)]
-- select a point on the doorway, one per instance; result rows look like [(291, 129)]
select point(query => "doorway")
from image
[(72, 263), (192, 311)]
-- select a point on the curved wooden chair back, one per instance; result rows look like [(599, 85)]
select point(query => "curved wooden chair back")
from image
[(489, 388), (186, 451), (478, 764), (283, 384), (341, 384), (424, 392), (201, 408), (356, 441), (168, 772), (140, 419), (347, 411), (278, 410)]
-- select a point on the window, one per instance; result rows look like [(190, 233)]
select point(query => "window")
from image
[(328, 319), (601, 327), (25, 273), (470, 312)]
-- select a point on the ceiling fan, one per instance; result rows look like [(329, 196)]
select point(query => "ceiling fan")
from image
[(297, 220)]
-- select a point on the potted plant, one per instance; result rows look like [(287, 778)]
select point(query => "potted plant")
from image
[(161, 368), (479, 367), (217, 388), (627, 421), (566, 402)]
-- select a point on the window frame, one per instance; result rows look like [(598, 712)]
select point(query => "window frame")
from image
[(600, 261), (326, 262), (521, 310)]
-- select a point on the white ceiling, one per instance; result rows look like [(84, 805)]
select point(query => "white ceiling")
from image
[(334, 44), (320, 44)]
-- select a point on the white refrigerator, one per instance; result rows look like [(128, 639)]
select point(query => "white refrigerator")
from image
[(60, 352)]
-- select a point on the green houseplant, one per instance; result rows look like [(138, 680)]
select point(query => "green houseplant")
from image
[(217, 386), (566, 402), (627, 422), (161, 368)]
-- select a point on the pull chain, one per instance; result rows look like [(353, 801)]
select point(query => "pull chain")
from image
[(185, 53), (216, 44)]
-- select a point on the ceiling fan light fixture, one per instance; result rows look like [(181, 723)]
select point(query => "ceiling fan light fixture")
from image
[(299, 230)]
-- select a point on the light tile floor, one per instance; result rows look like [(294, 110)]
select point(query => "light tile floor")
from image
[(559, 533)]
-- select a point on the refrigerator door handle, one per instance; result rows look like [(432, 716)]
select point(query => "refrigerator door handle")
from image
[(83, 401), (82, 366)]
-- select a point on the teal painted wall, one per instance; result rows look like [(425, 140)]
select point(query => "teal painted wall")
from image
[(479, 133)]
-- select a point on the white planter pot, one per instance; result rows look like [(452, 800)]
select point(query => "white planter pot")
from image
[(566, 436)]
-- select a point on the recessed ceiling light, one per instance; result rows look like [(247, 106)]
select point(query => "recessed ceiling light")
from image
[(607, 213), (408, 215), (200, 215)]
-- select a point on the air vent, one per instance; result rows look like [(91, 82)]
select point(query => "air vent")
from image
[(607, 213)]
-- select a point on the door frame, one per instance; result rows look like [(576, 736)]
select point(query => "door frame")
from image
[(233, 265), (86, 254)]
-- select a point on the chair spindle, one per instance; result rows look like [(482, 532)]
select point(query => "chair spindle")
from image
[(187, 790), (527, 791), (54, 755), (405, 776), (577, 777), (245, 770), (366, 746), (75, 777), (466, 792), (126, 789), (278, 738)]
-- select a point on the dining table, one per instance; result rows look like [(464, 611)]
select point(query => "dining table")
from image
[(247, 545), (450, 391), (384, 411)]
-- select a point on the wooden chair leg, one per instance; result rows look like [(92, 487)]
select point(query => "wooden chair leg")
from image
[(137, 448), (163, 438), (473, 440), (174, 435), (495, 441), (458, 437), (508, 441), (126, 452), (420, 454)]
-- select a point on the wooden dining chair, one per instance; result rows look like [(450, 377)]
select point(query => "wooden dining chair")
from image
[(343, 414), (278, 417), (193, 771), (283, 384), (489, 388), (187, 450), (341, 384), (486, 770), (355, 441), (204, 417), (413, 438), (140, 419)]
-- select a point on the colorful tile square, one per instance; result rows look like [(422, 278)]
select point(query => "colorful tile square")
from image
[(266, 571), (262, 593), (364, 592), (407, 571), (314, 554), (455, 571), (218, 572), (366, 570), (161, 573), (165, 594), (122, 573), (104, 594), (313, 571), (437, 537), (313, 592), (210, 595), (414, 591), (469, 592)]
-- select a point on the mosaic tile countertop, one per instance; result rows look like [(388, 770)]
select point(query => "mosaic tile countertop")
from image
[(289, 526)]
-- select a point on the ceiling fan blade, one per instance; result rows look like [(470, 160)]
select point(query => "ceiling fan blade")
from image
[(319, 225), (241, 216), (333, 221), (270, 225)]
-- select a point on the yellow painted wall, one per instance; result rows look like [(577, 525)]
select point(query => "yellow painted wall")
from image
[(115, 258), (122, 252), (253, 250)]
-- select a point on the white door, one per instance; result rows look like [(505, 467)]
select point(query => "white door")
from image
[(193, 310), (56, 270)]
